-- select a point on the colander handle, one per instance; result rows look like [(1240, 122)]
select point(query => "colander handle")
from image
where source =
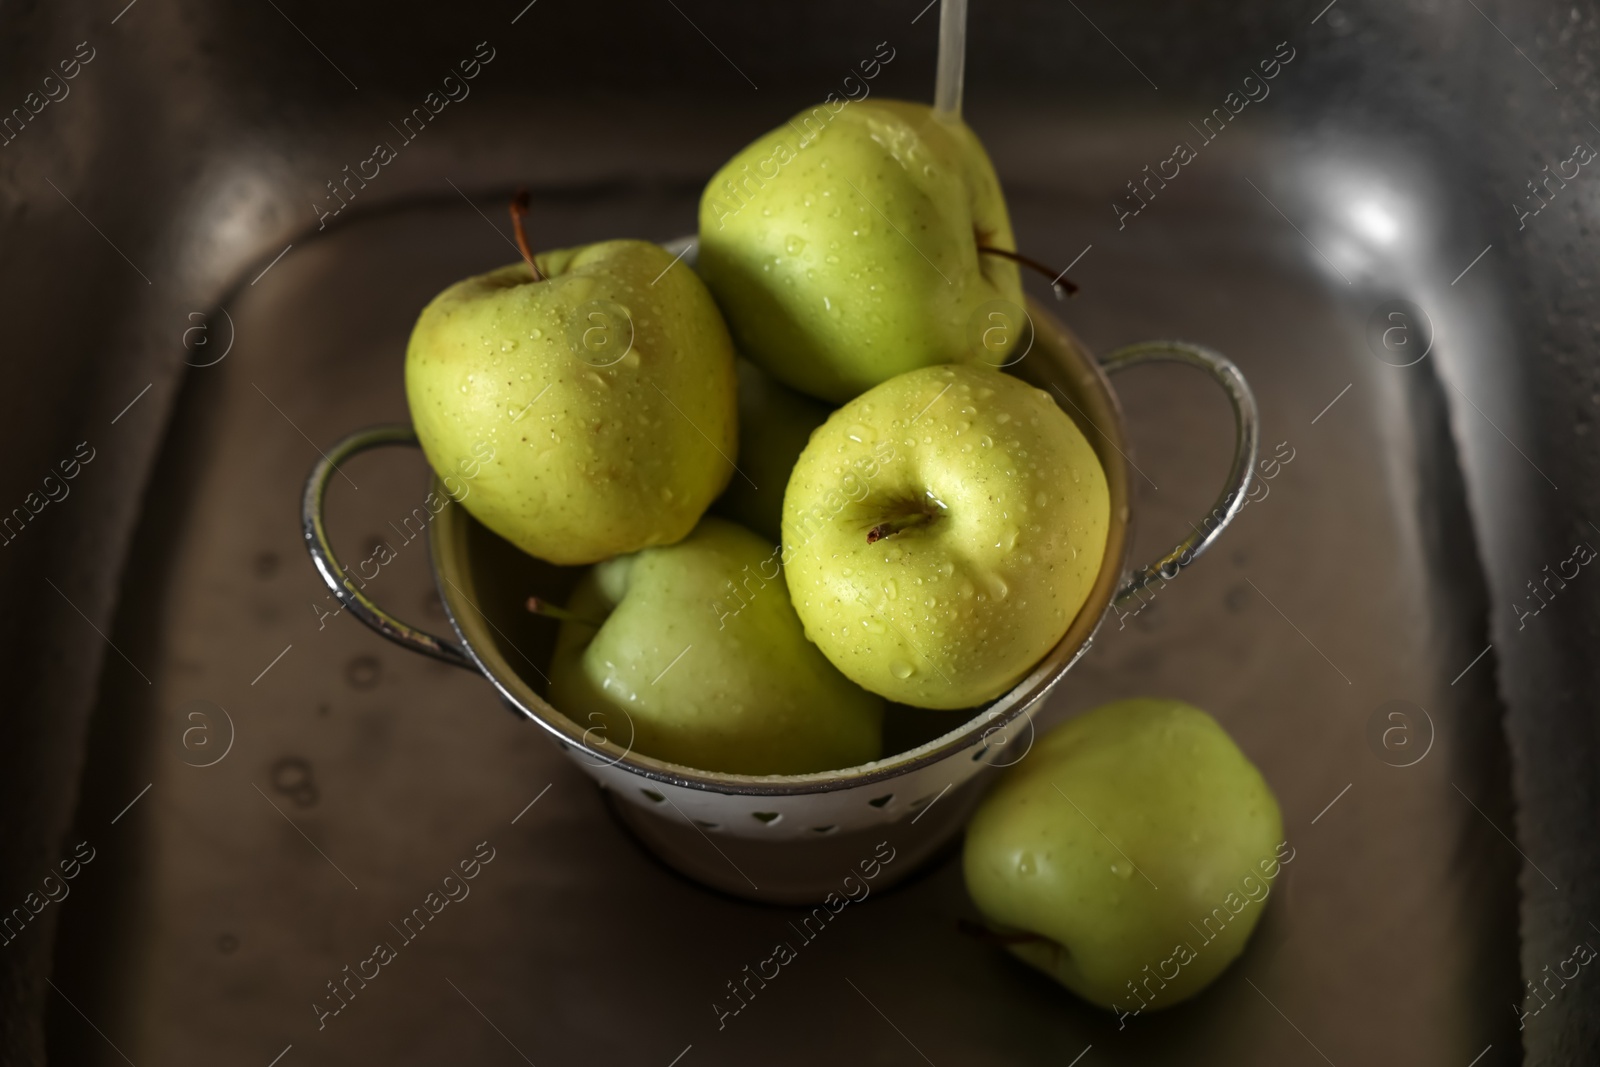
[(333, 572), (1247, 432)]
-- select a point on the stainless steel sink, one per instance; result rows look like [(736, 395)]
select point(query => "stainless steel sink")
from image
[(308, 785)]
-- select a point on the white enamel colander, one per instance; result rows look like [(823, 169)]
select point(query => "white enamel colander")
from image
[(792, 838)]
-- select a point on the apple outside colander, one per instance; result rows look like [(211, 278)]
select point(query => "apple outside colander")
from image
[(793, 838)]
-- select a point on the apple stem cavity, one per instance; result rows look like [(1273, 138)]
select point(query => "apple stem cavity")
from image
[(519, 210), (893, 526), (552, 611), (1062, 285)]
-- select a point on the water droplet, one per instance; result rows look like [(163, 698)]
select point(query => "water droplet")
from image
[(508, 345), (1122, 870), (998, 587), (890, 590), (1025, 864), (901, 669), (985, 441), (1002, 418), (535, 333), (794, 244), (873, 626), (1041, 498)]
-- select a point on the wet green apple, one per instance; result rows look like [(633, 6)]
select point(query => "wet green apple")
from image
[(940, 533), (775, 422), (698, 659), (843, 246), (1129, 855), (605, 392)]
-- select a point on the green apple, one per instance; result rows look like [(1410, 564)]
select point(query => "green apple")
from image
[(698, 659), (843, 246), (604, 392), (775, 422), (941, 531), (1129, 855)]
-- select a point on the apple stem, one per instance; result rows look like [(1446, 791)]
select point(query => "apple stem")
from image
[(983, 933), (551, 611), (895, 525), (1063, 286), (519, 209)]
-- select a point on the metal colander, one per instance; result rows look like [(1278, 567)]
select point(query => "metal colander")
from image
[(792, 838)]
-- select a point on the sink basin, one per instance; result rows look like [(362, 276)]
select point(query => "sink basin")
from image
[(298, 787)]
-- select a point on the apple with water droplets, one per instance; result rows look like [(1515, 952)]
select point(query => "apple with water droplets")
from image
[(602, 382), (940, 533), (691, 653), (844, 247), (1129, 855)]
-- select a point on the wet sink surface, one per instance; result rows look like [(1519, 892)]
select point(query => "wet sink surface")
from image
[(358, 774)]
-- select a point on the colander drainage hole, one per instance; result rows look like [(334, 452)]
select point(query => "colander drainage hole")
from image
[(707, 825), (768, 817), (823, 829), (879, 802), (978, 755), (653, 795)]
